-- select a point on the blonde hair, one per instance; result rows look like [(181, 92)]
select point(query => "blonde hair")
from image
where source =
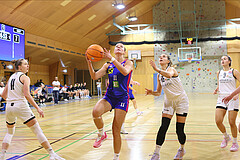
[(17, 63)]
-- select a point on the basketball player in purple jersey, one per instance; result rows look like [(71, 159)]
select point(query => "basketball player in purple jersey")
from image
[(119, 74)]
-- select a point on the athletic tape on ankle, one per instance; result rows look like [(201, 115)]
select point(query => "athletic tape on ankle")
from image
[(38, 132)]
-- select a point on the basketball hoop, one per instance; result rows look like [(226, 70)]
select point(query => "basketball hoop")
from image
[(189, 60)]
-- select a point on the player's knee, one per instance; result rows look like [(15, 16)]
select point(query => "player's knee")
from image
[(165, 122), (38, 132), (164, 126), (232, 123), (218, 121), (180, 128), (96, 114)]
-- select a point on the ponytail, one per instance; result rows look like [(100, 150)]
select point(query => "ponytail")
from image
[(17, 63)]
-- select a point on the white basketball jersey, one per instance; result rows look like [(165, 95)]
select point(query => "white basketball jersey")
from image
[(227, 82), (15, 88), (172, 87)]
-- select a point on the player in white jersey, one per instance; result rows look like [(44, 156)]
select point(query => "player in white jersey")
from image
[(226, 85), (17, 95), (175, 100)]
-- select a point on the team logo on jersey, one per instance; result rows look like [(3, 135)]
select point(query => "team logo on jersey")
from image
[(110, 70)]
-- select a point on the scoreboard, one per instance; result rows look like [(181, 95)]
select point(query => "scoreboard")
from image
[(12, 42)]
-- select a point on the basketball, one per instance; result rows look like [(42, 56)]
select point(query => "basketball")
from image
[(95, 53)]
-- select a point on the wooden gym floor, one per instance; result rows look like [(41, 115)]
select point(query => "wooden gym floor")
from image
[(70, 129)]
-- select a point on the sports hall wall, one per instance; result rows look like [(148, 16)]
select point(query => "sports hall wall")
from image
[(233, 46), (199, 76), (196, 76)]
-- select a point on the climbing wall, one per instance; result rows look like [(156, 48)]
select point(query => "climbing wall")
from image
[(198, 76)]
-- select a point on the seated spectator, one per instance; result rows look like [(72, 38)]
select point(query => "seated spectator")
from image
[(41, 82), (75, 89), (41, 95), (70, 92), (64, 92), (80, 92), (37, 84), (85, 90)]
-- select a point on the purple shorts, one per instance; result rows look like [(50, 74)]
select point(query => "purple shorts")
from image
[(118, 102)]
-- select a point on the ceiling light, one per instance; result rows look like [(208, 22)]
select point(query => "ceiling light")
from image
[(65, 71), (44, 60), (132, 18), (65, 2), (68, 62), (92, 17), (118, 5), (108, 26)]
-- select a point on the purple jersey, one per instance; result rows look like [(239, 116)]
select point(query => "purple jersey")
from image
[(118, 83)]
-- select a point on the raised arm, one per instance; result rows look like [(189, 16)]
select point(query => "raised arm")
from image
[(169, 73), (126, 69), (100, 73)]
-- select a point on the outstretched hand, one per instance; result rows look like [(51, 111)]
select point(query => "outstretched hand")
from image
[(148, 91), (152, 63), (88, 60), (40, 111), (107, 54)]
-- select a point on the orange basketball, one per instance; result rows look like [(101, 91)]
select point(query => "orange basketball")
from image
[(95, 53)]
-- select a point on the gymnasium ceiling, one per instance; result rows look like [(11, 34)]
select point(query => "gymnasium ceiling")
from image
[(78, 23)]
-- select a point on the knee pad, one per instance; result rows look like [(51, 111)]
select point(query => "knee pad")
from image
[(162, 130), (9, 135), (38, 132), (180, 132)]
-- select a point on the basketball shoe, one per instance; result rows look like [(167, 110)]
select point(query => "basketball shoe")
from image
[(99, 140), (225, 141), (155, 156), (54, 156), (180, 154), (234, 147)]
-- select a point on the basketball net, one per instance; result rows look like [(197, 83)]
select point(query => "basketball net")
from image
[(189, 60), (135, 62)]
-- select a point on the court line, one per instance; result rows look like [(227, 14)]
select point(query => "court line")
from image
[(17, 156)]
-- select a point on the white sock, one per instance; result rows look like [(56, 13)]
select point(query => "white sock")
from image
[(181, 146), (157, 149), (234, 140), (225, 135), (116, 155), (4, 151), (50, 151), (101, 131)]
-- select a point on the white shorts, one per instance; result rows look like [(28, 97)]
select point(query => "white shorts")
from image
[(180, 105), (20, 110), (232, 105)]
